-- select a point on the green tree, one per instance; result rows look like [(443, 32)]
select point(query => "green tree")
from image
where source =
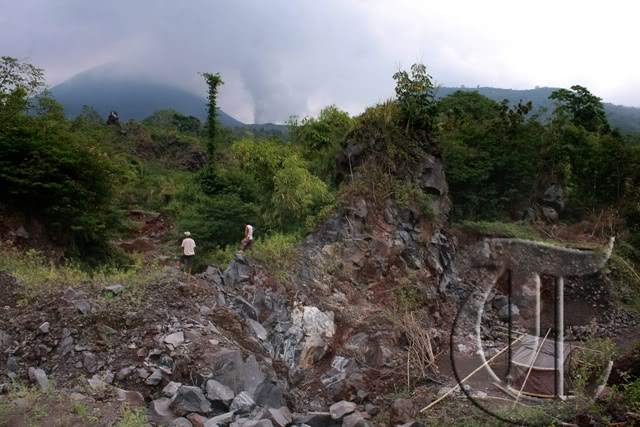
[(320, 139), (415, 93), (213, 83), (582, 107), (19, 81)]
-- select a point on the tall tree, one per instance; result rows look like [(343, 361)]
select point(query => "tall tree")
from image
[(582, 108), (213, 82), (18, 82)]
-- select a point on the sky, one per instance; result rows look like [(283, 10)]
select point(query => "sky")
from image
[(284, 57)]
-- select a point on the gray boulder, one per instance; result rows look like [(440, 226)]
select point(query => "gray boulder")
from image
[(190, 399), (160, 412), (242, 403), (217, 392), (232, 370), (269, 395), (342, 408), (38, 376), (90, 362), (171, 389), (314, 419), (155, 378), (281, 416)]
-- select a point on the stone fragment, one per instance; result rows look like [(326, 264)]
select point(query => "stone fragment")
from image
[(257, 329), (155, 378), (84, 307), (354, 420), (402, 411), (342, 408), (171, 389), (90, 362), (160, 412), (281, 416), (242, 403), (190, 399), (314, 419), (217, 392), (5, 339), (38, 376), (133, 398), (221, 420), (123, 374), (197, 420), (181, 422), (175, 339), (12, 365), (44, 328)]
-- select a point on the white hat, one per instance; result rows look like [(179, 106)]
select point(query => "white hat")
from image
[(186, 233)]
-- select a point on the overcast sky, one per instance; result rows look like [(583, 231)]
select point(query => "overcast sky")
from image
[(283, 57)]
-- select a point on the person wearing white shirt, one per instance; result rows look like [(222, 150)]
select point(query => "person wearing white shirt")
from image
[(188, 252), (247, 242)]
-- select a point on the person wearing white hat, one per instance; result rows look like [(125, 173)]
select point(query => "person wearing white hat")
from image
[(188, 252)]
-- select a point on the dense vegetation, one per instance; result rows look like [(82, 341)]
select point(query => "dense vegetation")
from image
[(79, 176)]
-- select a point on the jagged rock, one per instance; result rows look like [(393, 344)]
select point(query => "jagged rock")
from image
[(342, 408), (242, 403), (232, 370), (217, 392), (503, 313), (175, 339), (402, 411), (214, 275), (238, 271), (313, 349), (133, 398), (108, 377), (220, 420), (354, 420), (160, 412), (269, 395), (258, 330), (90, 362), (4, 388), (245, 307), (96, 383), (155, 378), (555, 196), (281, 416), (123, 374), (190, 399), (5, 339), (84, 307), (44, 328), (38, 376), (171, 389), (314, 419), (12, 365), (181, 422)]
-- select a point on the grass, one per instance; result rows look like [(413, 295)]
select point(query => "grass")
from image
[(39, 276), (626, 290), (132, 417)]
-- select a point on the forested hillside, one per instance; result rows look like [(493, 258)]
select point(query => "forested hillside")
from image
[(627, 119)]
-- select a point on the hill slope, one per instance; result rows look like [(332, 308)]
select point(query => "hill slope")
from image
[(132, 98), (624, 118)]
